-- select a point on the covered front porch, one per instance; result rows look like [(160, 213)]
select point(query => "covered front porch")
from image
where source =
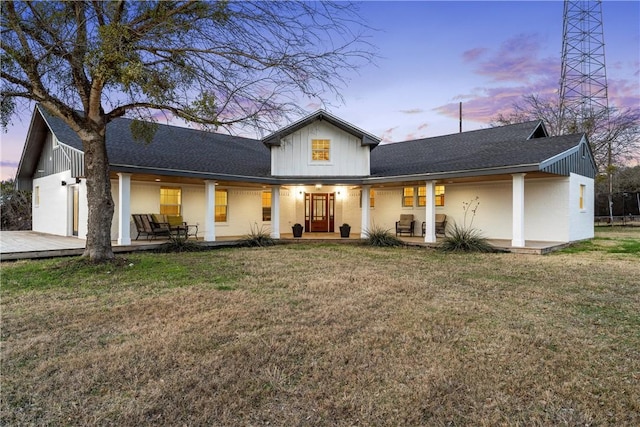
[(227, 209)]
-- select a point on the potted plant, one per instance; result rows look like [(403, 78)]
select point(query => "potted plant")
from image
[(345, 229), (297, 230)]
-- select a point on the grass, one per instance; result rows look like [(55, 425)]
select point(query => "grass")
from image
[(624, 240), (323, 335)]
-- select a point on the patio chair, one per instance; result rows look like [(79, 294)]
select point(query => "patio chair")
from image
[(147, 227), (441, 225), (176, 224), (405, 225)]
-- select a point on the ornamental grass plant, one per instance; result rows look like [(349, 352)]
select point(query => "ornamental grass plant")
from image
[(466, 238), (381, 237)]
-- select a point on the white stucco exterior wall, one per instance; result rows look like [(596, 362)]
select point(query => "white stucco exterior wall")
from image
[(52, 213), (551, 207), (581, 220), (347, 156), (548, 214), (244, 207)]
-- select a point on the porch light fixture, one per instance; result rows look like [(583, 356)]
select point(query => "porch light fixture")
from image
[(63, 183), (318, 186), (157, 179), (78, 180)]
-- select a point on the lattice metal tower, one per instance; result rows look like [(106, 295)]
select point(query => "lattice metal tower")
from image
[(583, 82)]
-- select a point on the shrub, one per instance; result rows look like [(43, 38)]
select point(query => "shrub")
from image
[(378, 236), (179, 243), (258, 237), (465, 239)]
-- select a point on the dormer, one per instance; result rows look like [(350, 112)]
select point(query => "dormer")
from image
[(320, 145)]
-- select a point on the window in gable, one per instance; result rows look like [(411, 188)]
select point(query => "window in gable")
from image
[(320, 149), (170, 201), (266, 205)]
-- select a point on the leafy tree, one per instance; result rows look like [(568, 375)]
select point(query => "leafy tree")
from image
[(216, 63), (15, 207)]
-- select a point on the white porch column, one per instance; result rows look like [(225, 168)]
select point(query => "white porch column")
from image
[(124, 208), (364, 222), (275, 211), (518, 210), (210, 211), (430, 213)]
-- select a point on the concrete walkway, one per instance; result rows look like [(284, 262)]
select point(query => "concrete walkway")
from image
[(15, 245)]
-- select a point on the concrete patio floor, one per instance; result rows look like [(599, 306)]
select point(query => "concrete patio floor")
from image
[(15, 245)]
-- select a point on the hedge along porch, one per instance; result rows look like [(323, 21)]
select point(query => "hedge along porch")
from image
[(320, 172)]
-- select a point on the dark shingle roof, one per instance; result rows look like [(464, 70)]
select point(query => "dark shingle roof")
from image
[(481, 149), (177, 148), (196, 152)]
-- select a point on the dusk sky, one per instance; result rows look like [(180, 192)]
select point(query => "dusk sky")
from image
[(435, 54)]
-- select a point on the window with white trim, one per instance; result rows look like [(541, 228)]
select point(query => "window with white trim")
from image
[(372, 198), (439, 195), (266, 205), (221, 205), (170, 201), (407, 196), (320, 150)]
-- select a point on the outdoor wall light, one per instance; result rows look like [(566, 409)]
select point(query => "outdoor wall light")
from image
[(78, 180), (318, 186), (63, 183)]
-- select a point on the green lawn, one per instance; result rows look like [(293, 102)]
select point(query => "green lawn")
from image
[(326, 334)]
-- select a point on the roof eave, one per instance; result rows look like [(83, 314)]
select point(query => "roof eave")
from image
[(190, 174), (366, 138), (28, 163), (431, 176)]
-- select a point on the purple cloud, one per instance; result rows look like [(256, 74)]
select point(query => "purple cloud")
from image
[(413, 111), (623, 93), (313, 106), (473, 54), (387, 135), (517, 61), (486, 103), (8, 164), (516, 67)]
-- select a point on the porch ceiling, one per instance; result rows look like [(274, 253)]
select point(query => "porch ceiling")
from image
[(164, 179)]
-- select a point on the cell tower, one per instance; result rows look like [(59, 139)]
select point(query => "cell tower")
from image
[(583, 81)]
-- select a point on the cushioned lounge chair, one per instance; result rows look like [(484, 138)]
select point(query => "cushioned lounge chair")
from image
[(405, 225)]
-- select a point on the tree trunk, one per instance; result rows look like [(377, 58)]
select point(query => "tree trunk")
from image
[(101, 206)]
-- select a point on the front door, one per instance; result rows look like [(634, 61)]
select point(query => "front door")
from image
[(319, 212)]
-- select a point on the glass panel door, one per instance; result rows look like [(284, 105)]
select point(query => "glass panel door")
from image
[(75, 209)]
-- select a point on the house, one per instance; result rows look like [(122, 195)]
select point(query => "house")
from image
[(320, 172)]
